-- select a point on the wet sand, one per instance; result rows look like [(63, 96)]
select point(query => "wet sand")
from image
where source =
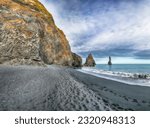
[(65, 89)]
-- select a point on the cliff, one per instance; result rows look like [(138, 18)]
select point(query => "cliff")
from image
[(28, 35), (90, 62)]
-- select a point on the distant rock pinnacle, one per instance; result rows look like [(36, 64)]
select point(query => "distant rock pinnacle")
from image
[(109, 62)]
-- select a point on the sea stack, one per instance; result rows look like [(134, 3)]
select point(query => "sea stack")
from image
[(29, 36), (90, 62), (77, 60), (109, 62)]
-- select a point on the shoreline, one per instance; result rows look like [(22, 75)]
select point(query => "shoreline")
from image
[(117, 93), (122, 77), (54, 88)]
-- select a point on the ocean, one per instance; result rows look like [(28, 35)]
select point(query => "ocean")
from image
[(133, 74), (128, 68)]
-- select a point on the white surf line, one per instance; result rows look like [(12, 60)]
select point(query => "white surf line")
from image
[(114, 79)]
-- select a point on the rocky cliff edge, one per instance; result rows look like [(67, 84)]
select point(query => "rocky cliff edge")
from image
[(28, 35)]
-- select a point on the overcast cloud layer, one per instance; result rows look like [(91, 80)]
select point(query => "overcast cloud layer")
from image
[(104, 27)]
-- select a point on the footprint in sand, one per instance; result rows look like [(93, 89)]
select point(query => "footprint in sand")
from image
[(135, 100), (98, 98), (110, 91), (85, 108), (120, 108), (73, 105), (125, 98), (82, 98), (78, 92), (86, 101), (105, 101), (103, 88), (116, 105), (115, 94), (144, 102), (79, 108), (96, 106), (128, 109)]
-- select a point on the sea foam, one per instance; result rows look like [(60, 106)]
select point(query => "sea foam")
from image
[(123, 77)]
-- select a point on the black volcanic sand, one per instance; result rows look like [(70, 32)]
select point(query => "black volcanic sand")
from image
[(60, 88)]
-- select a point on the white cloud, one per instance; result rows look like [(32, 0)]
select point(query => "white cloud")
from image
[(127, 26), (122, 60)]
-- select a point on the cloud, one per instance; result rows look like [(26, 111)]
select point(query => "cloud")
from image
[(125, 60), (120, 27)]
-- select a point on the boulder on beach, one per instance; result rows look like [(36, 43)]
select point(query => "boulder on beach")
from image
[(90, 62), (29, 36), (109, 62)]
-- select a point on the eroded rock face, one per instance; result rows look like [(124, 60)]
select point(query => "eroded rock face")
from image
[(28, 35), (109, 62), (90, 62), (77, 60)]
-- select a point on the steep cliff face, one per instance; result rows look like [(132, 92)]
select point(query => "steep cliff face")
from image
[(28, 35), (90, 62)]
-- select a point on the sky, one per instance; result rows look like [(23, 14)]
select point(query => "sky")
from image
[(117, 28)]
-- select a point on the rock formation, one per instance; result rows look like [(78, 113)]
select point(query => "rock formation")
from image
[(90, 62), (109, 62), (28, 35), (77, 60)]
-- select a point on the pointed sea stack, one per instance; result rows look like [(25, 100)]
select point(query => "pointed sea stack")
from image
[(90, 62), (109, 62)]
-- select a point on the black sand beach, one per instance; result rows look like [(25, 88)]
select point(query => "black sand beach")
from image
[(65, 89)]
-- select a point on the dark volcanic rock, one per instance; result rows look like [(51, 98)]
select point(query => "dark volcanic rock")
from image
[(77, 60), (109, 62), (90, 62), (28, 35)]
